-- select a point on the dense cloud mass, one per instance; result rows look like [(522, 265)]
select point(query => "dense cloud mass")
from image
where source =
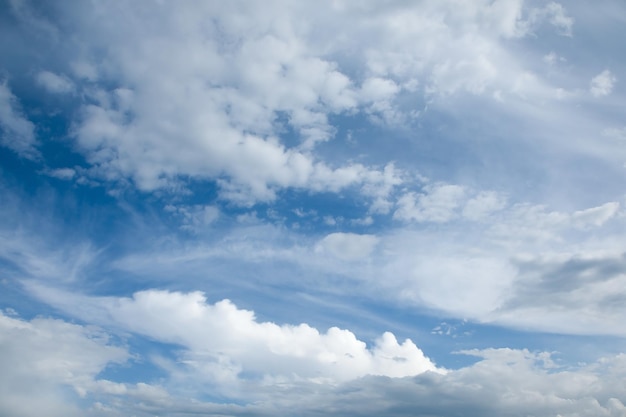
[(294, 208), (503, 382)]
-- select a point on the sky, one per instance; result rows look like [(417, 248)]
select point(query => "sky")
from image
[(298, 208)]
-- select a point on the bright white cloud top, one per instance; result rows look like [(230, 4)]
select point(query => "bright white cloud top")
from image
[(297, 208)]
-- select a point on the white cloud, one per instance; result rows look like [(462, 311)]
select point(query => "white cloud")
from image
[(602, 84), (462, 285), (17, 132), (595, 216), (44, 355), (348, 246), (221, 340), (537, 223), (483, 205), (555, 14), (210, 101), (376, 89), (527, 267), (503, 381), (53, 83), (439, 203), (256, 167), (251, 96)]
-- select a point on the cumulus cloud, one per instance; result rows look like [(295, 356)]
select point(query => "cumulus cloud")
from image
[(602, 84), (216, 123), (503, 381), (212, 100), (18, 133), (256, 99), (43, 356), (222, 341)]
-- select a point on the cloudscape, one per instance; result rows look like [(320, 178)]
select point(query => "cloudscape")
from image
[(299, 208)]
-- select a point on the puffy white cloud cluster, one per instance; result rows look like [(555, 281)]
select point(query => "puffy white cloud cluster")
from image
[(48, 356), (221, 340), (41, 356), (256, 98), (213, 91), (437, 203)]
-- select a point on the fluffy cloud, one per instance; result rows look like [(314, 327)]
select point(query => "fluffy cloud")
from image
[(223, 340), (483, 205), (503, 382), (303, 106), (438, 204), (216, 123), (208, 91), (42, 356)]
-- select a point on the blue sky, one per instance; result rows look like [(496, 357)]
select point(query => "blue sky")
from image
[(297, 208)]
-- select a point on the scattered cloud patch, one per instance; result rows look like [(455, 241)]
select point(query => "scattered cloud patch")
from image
[(18, 133), (62, 173), (438, 203), (222, 341), (366, 170), (348, 246), (53, 83), (602, 84), (483, 205), (44, 355), (501, 381), (194, 218)]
